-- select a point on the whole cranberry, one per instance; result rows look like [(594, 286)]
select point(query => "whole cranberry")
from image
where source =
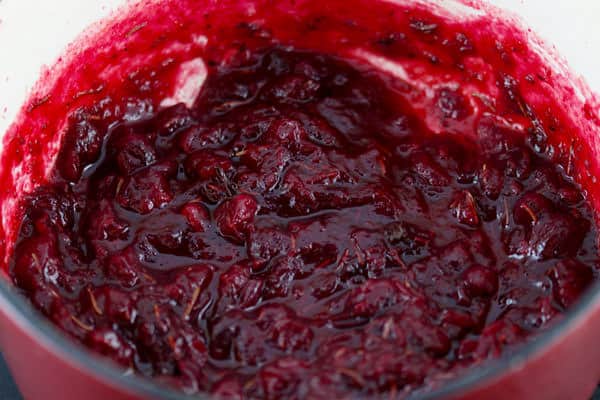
[(235, 216), (197, 216), (82, 145)]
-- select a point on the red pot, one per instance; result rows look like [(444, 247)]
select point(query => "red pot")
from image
[(563, 363)]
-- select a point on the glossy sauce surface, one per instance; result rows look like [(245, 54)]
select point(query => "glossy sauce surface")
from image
[(309, 227)]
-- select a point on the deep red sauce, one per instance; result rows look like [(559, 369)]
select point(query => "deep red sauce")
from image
[(310, 227)]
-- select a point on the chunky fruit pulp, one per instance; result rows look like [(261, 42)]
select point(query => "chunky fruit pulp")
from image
[(305, 230), (299, 230)]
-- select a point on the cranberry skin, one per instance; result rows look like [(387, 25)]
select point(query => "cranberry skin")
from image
[(146, 190), (107, 233), (289, 132), (267, 243), (556, 236), (110, 343), (282, 273), (200, 138), (108, 226), (321, 133), (188, 288), (480, 281), (173, 119), (124, 267), (408, 238), (428, 170), (325, 285), (530, 208), (134, 152), (115, 304), (30, 270), (234, 217), (207, 165), (464, 209), (491, 181), (291, 336), (493, 340), (373, 296), (570, 195), (237, 288), (197, 216), (82, 145), (268, 161), (569, 279)]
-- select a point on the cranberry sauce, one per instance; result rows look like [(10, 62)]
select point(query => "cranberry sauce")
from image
[(347, 204), (300, 232)]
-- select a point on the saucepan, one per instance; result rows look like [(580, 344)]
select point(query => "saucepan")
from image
[(563, 363)]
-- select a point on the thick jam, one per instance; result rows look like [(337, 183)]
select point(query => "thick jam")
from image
[(301, 230)]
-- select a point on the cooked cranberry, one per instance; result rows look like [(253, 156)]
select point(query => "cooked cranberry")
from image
[(428, 170), (81, 145), (207, 165), (173, 119), (464, 209), (556, 236), (266, 243), (281, 275), (146, 190), (268, 161), (116, 304), (110, 343), (229, 387), (237, 288), (107, 232), (133, 152), (280, 379), (291, 336), (480, 281), (492, 342), (320, 132), (188, 288), (530, 208), (289, 132), (570, 195), (374, 296), (125, 267), (197, 216), (491, 181), (199, 138), (235, 216), (569, 280)]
